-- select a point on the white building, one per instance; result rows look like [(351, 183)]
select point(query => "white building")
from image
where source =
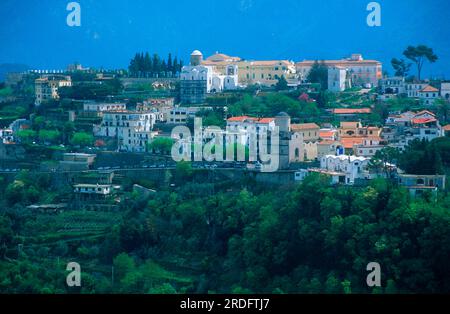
[(412, 89), (180, 115), (351, 167), (133, 129), (362, 72), (393, 85), (428, 95), (197, 80), (101, 107), (337, 79)]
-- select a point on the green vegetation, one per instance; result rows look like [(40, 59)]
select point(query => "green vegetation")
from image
[(161, 145), (206, 236), (269, 105), (82, 139), (92, 90), (319, 74), (419, 55), (144, 65)]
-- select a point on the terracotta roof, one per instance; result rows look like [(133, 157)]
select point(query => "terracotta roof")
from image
[(304, 126), (447, 127), (265, 120), (351, 111), (327, 133), (256, 120), (423, 120), (239, 119), (429, 88), (349, 142)]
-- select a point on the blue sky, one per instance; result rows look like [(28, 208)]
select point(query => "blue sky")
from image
[(36, 33)]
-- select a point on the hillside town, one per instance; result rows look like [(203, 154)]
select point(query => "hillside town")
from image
[(82, 117), (82, 150)]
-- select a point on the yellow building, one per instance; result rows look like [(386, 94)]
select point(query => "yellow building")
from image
[(253, 72)]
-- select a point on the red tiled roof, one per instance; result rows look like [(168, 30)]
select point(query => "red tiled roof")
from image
[(304, 126), (265, 120), (423, 120), (429, 88), (349, 142), (327, 134), (256, 120), (447, 127), (240, 119), (351, 111)]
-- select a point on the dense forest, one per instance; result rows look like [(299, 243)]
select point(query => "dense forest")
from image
[(203, 236)]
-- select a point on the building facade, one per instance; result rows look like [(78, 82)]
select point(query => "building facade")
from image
[(46, 87)]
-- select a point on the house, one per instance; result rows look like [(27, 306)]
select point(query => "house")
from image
[(329, 147), (132, 129), (420, 184), (369, 146), (328, 134), (347, 168), (392, 85), (47, 87), (309, 131), (338, 79), (310, 134), (361, 72), (349, 129), (428, 95), (412, 89), (401, 129)]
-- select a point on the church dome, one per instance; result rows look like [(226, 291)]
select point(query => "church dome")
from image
[(196, 53)]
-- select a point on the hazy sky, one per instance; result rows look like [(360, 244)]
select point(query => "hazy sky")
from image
[(36, 33)]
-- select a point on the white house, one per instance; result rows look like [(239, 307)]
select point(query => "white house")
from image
[(428, 94), (351, 166), (337, 79), (133, 129)]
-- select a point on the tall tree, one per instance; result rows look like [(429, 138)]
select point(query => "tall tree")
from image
[(419, 55), (169, 63), (401, 67), (319, 74)]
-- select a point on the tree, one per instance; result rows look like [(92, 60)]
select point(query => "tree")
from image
[(401, 67), (123, 265), (419, 55), (282, 84), (319, 74), (26, 136), (82, 139), (49, 136)]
